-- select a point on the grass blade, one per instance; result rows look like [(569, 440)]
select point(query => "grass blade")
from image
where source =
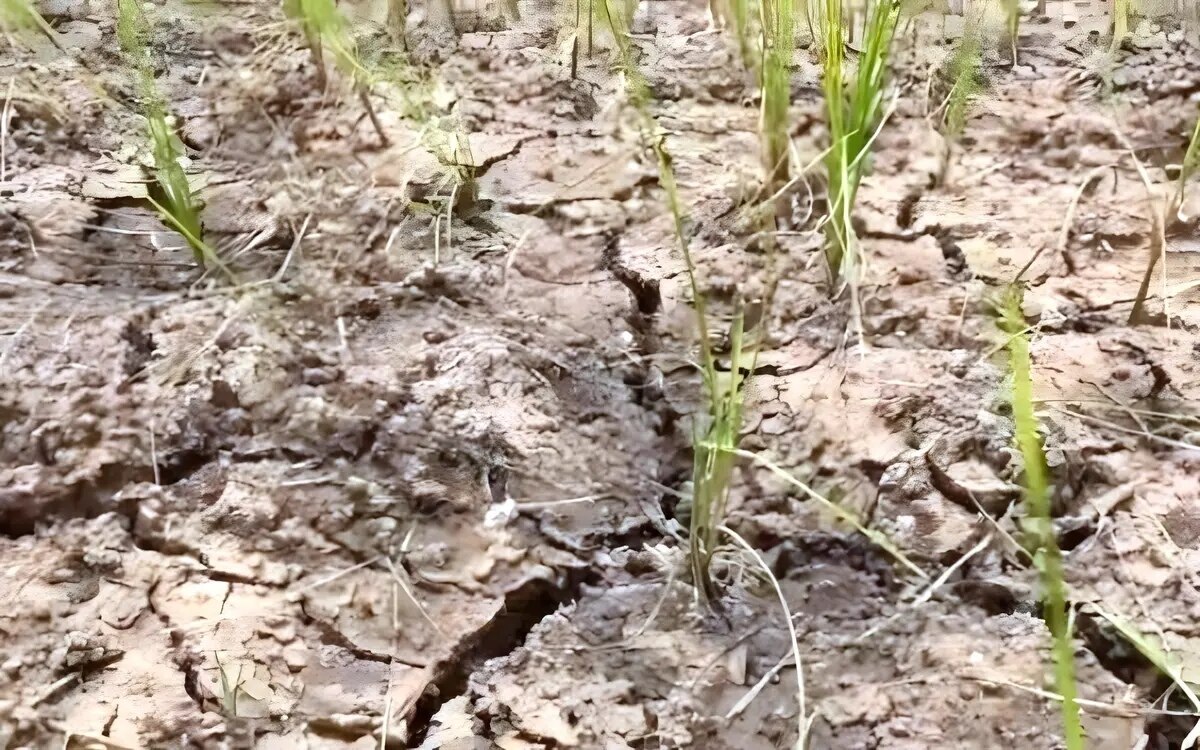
[(171, 195), (1037, 525), (1161, 660), (20, 15)]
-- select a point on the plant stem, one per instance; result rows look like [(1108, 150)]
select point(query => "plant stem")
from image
[(1039, 530)]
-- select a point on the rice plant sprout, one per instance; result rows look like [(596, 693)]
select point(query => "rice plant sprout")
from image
[(855, 111), (713, 443), (1040, 540), (779, 39), (1187, 168), (171, 194), (740, 12), (964, 71), (325, 27), (20, 15)]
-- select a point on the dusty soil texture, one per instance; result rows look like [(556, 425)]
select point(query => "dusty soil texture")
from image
[(413, 483)]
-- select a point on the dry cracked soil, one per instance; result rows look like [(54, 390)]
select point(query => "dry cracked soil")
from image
[(415, 482)]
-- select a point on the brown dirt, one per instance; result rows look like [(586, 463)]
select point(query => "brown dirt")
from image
[(369, 487)]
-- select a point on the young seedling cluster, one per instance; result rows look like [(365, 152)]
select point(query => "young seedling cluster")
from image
[(779, 35), (1012, 25), (855, 110), (171, 194), (715, 436), (1187, 168), (965, 74), (324, 27)]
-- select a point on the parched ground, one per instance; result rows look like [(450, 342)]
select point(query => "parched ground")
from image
[(413, 483)]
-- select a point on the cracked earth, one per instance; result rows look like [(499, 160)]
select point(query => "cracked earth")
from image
[(416, 486)]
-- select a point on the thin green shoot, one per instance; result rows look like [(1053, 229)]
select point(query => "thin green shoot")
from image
[(714, 447), (171, 194), (712, 456), (325, 27), (20, 15), (1038, 528), (779, 41), (740, 12), (964, 70), (229, 689), (855, 111), (133, 34), (1191, 160)]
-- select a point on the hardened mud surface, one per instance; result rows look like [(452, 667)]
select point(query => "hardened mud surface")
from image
[(415, 484)]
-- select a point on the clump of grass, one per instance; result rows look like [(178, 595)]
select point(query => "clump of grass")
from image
[(779, 41), (740, 13), (714, 442), (171, 194), (716, 433), (229, 687), (855, 110), (964, 72), (1038, 528), (714, 454), (20, 15), (325, 27)]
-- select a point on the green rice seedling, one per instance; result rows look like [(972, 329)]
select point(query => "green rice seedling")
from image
[(325, 27), (229, 687), (1038, 528), (964, 72), (20, 15), (133, 31), (855, 111), (1187, 168), (171, 193), (740, 13), (779, 39), (712, 442), (714, 446)]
